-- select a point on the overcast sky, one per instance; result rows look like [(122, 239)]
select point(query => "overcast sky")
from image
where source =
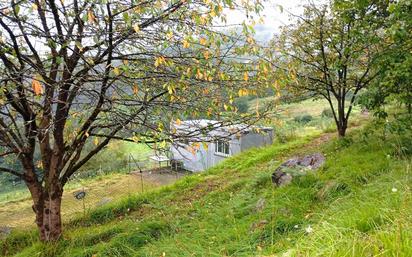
[(273, 17)]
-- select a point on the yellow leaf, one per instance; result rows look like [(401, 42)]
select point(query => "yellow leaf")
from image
[(246, 76), (135, 89), (169, 35), (206, 54), (136, 28), (205, 145), (250, 40), (186, 44), (209, 112), (159, 60), (136, 139), (116, 71), (202, 41), (243, 92), (37, 87), (96, 141), (34, 6), (39, 164), (178, 122), (90, 16)]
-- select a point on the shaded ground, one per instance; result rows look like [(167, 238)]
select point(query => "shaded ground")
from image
[(161, 176), (98, 192)]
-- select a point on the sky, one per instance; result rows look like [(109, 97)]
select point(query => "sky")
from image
[(273, 17)]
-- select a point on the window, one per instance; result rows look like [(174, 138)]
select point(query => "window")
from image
[(222, 147)]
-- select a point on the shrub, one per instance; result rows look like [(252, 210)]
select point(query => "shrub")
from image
[(242, 104), (303, 119), (327, 113)]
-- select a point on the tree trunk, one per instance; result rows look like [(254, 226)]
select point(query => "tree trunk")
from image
[(342, 122), (342, 131), (48, 215), (51, 225)]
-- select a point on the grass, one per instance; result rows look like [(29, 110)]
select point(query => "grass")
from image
[(286, 118), (358, 204), (19, 213), (102, 180)]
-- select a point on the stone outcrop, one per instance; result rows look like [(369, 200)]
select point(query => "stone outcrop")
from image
[(297, 166)]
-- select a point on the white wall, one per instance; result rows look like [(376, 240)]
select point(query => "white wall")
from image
[(206, 158)]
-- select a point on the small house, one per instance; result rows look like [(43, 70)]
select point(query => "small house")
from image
[(201, 144)]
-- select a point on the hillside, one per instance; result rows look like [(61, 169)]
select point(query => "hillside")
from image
[(358, 204), (104, 181)]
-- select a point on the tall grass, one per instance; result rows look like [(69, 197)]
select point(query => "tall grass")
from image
[(357, 204)]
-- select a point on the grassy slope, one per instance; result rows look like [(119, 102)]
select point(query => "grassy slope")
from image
[(349, 204), (16, 205), (283, 118)]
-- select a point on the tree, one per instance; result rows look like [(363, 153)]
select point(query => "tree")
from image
[(395, 63), (329, 52), (76, 74)]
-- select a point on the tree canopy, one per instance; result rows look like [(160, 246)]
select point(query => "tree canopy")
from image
[(80, 72), (395, 61), (329, 52)]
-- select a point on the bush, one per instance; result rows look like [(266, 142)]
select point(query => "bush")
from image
[(303, 119), (327, 113), (242, 104)]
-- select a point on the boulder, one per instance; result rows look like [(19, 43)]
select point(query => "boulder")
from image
[(281, 178), (5, 231), (312, 161), (296, 166)]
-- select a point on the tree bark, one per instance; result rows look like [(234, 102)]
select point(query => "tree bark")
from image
[(47, 207), (341, 121), (50, 216), (342, 131)]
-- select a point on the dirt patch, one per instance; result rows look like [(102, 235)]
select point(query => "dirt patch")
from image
[(321, 140), (160, 176)]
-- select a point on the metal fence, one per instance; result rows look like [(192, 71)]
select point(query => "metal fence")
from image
[(85, 193)]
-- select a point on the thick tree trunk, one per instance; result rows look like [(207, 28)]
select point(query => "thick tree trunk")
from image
[(50, 226), (342, 131), (47, 207)]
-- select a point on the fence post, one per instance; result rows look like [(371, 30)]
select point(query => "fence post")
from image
[(141, 179), (128, 163)]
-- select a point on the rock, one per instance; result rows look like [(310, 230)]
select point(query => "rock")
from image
[(296, 166), (281, 178), (260, 205), (5, 231), (312, 161), (291, 162), (103, 201)]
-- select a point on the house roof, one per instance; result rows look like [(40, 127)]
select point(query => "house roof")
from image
[(216, 128)]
